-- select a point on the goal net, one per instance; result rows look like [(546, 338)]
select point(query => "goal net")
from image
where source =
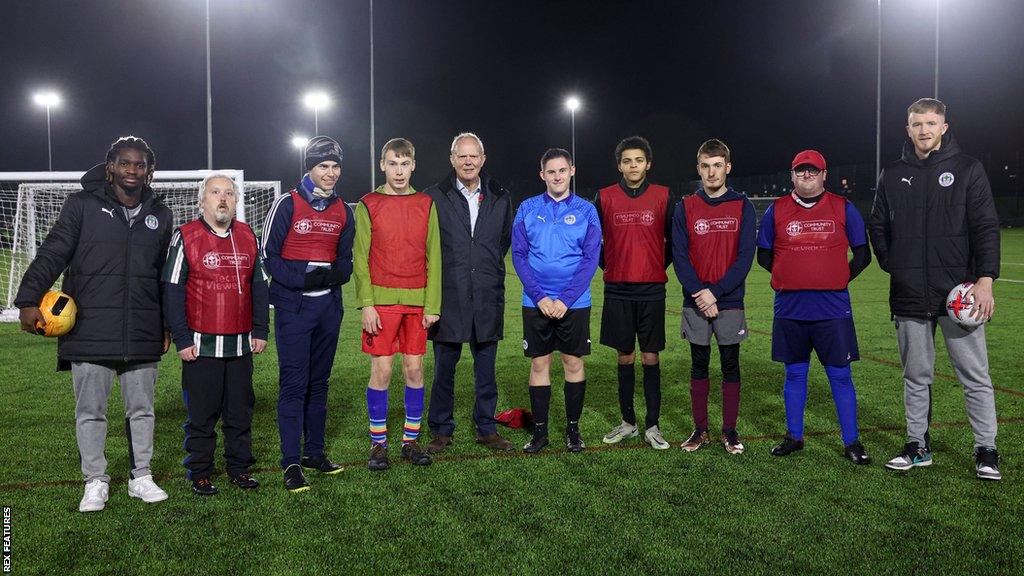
[(31, 201), (761, 203)]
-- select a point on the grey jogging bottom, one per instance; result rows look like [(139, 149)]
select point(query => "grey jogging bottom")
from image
[(969, 356), (92, 389)]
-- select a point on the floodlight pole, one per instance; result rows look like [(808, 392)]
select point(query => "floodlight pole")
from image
[(572, 103), (49, 146), (572, 114), (300, 142), (937, 3), (209, 96), (878, 101), (316, 100), (373, 146)]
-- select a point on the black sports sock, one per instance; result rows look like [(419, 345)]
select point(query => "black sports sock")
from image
[(652, 393), (574, 392), (540, 400), (627, 384), (700, 360)]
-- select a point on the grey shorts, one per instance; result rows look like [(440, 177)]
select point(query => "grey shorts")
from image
[(729, 327)]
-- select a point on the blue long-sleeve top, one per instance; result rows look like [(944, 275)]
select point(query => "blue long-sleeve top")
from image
[(556, 245), (731, 288), (289, 276)]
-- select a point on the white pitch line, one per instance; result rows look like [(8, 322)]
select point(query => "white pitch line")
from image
[(1008, 280)]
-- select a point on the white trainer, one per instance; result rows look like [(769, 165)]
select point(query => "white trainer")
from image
[(95, 497), (146, 490), (653, 437), (620, 433)]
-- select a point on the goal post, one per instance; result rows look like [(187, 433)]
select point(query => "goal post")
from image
[(761, 203), (31, 201)]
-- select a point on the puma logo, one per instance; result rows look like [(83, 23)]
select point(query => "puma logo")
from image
[(108, 211), (541, 218), (908, 180)]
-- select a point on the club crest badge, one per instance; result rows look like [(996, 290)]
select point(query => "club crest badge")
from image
[(569, 219), (211, 260), (152, 222), (303, 226), (946, 179)]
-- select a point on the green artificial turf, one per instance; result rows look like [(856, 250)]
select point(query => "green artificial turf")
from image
[(624, 509)]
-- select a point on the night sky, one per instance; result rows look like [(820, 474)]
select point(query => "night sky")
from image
[(769, 78)]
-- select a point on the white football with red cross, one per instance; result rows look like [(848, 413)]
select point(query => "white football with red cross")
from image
[(959, 306)]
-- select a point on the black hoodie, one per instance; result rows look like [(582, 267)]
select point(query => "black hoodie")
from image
[(933, 225), (111, 269)]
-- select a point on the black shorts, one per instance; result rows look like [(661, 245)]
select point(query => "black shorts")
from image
[(569, 334), (624, 322)]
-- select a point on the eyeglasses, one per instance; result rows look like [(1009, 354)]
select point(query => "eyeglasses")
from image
[(806, 171)]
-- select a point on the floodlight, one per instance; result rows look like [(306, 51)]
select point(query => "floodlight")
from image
[(47, 99), (317, 100)]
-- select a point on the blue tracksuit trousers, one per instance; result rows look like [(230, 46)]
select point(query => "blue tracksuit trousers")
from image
[(306, 343)]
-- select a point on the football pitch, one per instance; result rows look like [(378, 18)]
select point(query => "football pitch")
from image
[(610, 510)]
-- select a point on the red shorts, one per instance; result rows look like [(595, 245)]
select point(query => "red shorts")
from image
[(401, 331)]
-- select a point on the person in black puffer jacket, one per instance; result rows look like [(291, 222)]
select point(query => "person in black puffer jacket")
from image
[(110, 242), (934, 225)]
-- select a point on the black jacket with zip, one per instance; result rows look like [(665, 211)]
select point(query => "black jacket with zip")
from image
[(933, 225), (111, 269)]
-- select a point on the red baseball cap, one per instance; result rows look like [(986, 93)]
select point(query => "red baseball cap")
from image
[(812, 157)]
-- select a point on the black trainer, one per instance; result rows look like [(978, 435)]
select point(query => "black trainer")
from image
[(855, 453), (378, 458), (787, 446), (573, 441), (204, 487), (536, 444), (294, 479), (412, 452), (986, 462), (245, 482), (322, 464)]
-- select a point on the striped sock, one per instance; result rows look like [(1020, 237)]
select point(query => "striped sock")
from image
[(377, 407), (413, 414)]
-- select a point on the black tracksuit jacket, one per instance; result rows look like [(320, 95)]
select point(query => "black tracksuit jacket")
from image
[(933, 225), (111, 269)]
